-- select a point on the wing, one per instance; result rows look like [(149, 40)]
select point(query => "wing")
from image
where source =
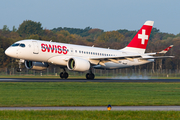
[(102, 60), (155, 57), (114, 57)]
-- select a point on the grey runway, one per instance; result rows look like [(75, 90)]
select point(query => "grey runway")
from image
[(84, 80), (100, 108)]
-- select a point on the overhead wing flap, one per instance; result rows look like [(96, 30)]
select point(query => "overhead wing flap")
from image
[(101, 63), (113, 60)]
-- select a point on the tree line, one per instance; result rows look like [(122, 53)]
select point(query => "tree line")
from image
[(90, 36)]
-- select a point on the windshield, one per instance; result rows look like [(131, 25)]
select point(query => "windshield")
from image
[(15, 44), (22, 45), (18, 44)]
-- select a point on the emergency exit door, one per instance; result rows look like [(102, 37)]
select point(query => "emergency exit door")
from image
[(36, 48)]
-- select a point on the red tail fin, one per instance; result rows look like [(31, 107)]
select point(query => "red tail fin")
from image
[(139, 42)]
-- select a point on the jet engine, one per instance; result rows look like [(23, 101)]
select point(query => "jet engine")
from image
[(78, 64), (36, 65)]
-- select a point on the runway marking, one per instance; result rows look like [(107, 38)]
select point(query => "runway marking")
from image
[(100, 108)]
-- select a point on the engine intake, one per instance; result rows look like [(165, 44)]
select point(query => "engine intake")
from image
[(36, 65), (78, 64)]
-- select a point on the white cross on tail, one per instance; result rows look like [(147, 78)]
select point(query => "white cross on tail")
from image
[(143, 36)]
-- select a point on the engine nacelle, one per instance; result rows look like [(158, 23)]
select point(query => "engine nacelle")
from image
[(78, 64), (36, 65)]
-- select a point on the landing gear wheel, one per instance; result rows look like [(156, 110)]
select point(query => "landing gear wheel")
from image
[(61, 75), (19, 70), (90, 76), (64, 75), (87, 76)]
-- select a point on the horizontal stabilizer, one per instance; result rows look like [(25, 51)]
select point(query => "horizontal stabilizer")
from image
[(166, 50)]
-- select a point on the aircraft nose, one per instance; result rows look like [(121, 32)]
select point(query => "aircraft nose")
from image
[(9, 52)]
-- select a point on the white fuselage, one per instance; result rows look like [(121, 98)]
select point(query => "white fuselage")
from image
[(44, 51)]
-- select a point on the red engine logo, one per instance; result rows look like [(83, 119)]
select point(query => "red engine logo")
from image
[(54, 48)]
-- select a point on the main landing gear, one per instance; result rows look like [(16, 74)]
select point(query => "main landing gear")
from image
[(64, 74), (90, 75)]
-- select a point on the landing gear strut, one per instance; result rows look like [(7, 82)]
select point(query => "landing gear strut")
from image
[(64, 74), (90, 75), (19, 70), (19, 63)]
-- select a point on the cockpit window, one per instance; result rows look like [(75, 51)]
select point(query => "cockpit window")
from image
[(18, 44), (22, 45), (15, 44)]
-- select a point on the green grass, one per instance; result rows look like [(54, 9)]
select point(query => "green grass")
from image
[(89, 115), (88, 94)]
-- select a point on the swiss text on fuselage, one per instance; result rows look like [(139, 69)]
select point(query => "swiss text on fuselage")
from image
[(54, 48)]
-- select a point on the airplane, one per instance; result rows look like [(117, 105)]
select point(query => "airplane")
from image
[(37, 54)]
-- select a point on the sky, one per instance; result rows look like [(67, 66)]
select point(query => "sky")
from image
[(107, 15)]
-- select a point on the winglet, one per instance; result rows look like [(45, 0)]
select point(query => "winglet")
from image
[(165, 50)]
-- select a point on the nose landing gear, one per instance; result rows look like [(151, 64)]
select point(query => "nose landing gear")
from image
[(18, 69), (19, 63)]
